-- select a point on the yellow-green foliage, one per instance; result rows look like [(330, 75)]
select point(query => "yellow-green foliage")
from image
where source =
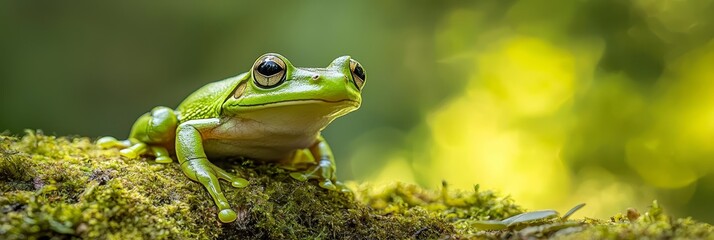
[(653, 224), (59, 187)]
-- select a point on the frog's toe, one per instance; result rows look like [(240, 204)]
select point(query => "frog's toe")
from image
[(298, 176), (240, 182), (164, 159), (128, 153), (162, 155), (134, 151), (110, 142), (323, 176), (107, 142), (327, 184), (227, 215), (235, 181)]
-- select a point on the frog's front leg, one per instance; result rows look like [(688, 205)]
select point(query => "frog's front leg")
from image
[(325, 169), (195, 164)]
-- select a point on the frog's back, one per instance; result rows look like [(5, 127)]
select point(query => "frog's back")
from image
[(206, 102)]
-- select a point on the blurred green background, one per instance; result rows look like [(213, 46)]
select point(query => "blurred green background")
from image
[(553, 102)]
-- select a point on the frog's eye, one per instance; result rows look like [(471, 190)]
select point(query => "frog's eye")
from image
[(269, 71), (357, 73)]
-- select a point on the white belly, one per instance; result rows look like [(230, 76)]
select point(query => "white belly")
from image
[(237, 137), (272, 133)]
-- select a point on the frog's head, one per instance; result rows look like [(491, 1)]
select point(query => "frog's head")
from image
[(275, 87)]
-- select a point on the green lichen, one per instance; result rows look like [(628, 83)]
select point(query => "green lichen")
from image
[(66, 187)]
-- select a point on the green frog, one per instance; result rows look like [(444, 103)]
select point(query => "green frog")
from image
[(273, 113)]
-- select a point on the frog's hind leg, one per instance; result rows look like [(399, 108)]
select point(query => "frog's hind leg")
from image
[(149, 134)]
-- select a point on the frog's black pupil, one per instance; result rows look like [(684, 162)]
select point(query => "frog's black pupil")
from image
[(359, 72), (269, 68)]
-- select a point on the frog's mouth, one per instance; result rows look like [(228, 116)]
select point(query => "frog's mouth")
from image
[(299, 102)]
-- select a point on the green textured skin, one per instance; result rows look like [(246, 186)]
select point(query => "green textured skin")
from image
[(236, 117)]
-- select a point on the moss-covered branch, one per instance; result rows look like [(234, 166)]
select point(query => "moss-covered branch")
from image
[(60, 187)]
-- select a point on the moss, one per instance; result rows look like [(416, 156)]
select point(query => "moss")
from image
[(66, 187), (60, 187), (458, 207), (653, 224), (275, 206)]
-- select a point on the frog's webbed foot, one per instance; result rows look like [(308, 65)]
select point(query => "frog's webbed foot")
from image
[(132, 149), (204, 172), (324, 173), (111, 142)]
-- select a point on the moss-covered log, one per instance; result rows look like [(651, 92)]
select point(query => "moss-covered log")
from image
[(66, 187)]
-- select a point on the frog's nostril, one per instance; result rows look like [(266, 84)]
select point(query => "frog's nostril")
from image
[(315, 77)]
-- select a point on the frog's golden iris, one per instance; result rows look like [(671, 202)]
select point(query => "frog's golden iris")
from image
[(269, 71), (357, 73)]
